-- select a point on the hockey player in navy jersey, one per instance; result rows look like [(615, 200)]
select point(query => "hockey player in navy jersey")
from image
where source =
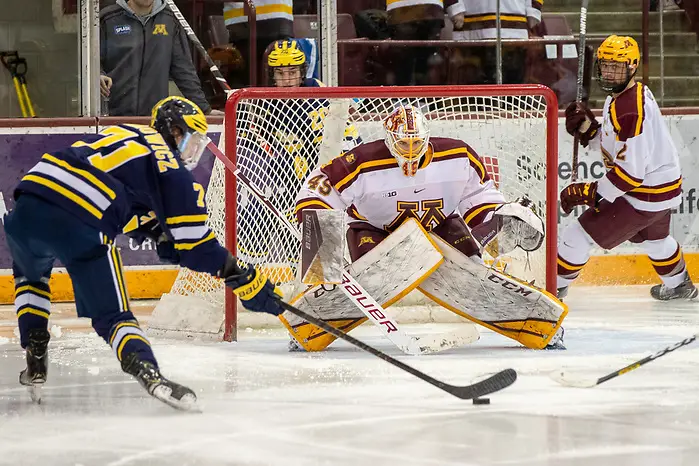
[(73, 203)]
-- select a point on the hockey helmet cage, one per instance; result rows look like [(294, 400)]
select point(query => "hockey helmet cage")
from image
[(618, 58), (178, 112), (407, 137)]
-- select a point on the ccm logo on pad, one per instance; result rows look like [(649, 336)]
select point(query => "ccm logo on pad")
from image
[(512, 286)]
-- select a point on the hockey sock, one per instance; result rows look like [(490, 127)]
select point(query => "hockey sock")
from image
[(122, 332), (32, 305), (666, 257)]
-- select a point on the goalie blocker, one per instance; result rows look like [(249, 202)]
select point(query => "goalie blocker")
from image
[(393, 265)]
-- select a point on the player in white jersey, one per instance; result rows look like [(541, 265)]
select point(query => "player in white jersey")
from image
[(441, 183), (634, 200)]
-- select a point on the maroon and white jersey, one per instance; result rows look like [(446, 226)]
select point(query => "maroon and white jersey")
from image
[(642, 161), (368, 184)]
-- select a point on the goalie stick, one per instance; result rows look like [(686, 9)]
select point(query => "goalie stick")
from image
[(581, 70), (494, 383), (572, 381), (358, 295)]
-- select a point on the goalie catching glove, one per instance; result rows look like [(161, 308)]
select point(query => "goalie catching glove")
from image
[(514, 224), (253, 288)]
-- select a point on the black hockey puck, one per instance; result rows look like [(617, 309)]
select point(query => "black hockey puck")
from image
[(481, 401)]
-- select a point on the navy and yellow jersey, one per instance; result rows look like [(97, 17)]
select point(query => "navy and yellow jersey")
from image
[(126, 170)]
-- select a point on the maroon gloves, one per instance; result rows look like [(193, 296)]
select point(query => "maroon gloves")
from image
[(576, 114), (578, 194)]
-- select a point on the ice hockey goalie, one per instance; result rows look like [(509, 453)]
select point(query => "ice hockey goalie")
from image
[(442, 184)]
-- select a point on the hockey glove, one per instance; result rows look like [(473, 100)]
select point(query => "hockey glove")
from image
[(580, 120), (578, 194), (166, 251), (255, 291)]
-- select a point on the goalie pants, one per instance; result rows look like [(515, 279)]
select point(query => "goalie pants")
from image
[(611, 224), (39, 233), (363, 237)]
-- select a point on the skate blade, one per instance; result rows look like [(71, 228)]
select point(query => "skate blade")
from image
[(188, 402), (35, 393)]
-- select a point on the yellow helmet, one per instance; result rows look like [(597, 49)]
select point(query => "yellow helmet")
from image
[(286, 53), (287, 64), (618, 49)]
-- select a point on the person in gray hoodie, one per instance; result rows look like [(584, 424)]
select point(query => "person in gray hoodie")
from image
[(142, 46)]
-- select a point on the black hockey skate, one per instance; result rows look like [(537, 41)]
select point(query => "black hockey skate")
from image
[(685, 290), (562, 293), (34, 376), (171, 393)]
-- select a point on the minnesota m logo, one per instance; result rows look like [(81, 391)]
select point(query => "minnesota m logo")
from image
[(160, 29), (431, 217)]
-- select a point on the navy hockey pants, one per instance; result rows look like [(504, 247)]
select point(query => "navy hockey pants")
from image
[(39, 232)]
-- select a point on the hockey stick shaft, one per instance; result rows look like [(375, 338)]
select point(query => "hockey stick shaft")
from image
[(350, 287), (581, 73), (492, 384), (197, 43), (647, 359)]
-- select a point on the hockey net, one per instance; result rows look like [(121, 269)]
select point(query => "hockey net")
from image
[(277, 136)]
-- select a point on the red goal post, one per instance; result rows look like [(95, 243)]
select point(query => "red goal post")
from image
[(515, 127)]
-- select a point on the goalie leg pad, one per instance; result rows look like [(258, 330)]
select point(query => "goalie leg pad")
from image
[(495, 300), (391, 270)]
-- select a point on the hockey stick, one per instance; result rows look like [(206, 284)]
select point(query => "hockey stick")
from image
[(581, 70), (494, 383), (356, 293), (195, 40), (571, 381)]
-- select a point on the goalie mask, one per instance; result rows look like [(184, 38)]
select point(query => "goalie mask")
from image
[(617, 61), (178, 112), (407, 137), (287, 64)]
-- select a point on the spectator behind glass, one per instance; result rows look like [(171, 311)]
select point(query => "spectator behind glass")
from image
[(142, 46), (419, 20), (517, 19), (275, 21)]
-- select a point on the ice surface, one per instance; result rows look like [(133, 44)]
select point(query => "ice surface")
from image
[(262, 405)]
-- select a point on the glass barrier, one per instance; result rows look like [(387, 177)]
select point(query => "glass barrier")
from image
[(40, 57)]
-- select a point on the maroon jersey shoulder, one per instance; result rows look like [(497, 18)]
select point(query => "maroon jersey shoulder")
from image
[(626, 112), (342, 171)]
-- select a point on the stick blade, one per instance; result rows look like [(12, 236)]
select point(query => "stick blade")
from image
[(492, 384), (572, 380)]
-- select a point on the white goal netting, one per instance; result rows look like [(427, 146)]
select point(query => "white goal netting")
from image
[(278, 141)]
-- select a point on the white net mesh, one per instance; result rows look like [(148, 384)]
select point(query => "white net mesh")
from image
[(279, 141)]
